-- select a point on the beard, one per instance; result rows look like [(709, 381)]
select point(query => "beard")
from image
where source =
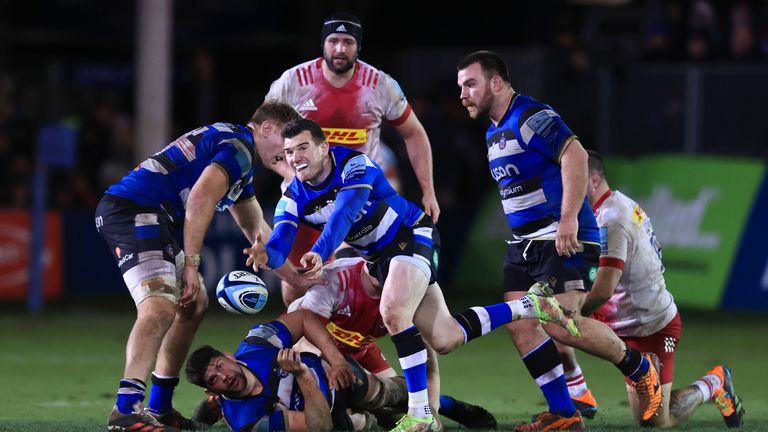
[(339, 70)]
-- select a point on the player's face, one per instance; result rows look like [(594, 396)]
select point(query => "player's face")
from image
[(476, 93), (225, 376), (306, 157), (340, 52)]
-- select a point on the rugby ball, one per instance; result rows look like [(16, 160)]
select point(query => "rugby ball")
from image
[(242, 292)]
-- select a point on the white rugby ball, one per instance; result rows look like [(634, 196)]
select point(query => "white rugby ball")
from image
[(242, 292)]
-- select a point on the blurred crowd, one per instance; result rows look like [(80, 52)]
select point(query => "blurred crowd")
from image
[(97, 101)]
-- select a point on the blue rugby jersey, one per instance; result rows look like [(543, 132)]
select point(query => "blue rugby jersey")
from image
[(355, 204), (166, 178), (524, 152), (258, 352)]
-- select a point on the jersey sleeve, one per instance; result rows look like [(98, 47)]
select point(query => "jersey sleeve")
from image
[(278, 90), (321, 299), (394, 104), (233, 157), (544, 131), (358, 171), (273, 333), (349, 201), (614, 244), (247, 193), (285, 226)]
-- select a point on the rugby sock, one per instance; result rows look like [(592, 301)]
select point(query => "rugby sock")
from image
[(577, 385), (130, 393), (446, 403), (481, 320), (707, 385), (544, 365), (634, 365), (412, 354), (161, 393)]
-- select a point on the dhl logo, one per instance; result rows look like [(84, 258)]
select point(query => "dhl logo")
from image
[(349, 337), (346, 136)]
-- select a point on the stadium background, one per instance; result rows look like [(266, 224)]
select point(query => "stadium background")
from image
[(672, 92)]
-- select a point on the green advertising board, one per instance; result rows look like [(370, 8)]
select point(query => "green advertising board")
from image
[(699, 207)]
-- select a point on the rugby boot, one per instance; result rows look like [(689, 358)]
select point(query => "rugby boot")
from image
[(549, 310), (586, 404), (136, 421), (409, 423), (470, 416), (548, 421), (648, 388), (175, 419), (725, 398)]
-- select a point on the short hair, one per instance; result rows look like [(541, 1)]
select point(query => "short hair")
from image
[(298, 126), (198, 363), (276, 111), (595, 163), (489, 61)]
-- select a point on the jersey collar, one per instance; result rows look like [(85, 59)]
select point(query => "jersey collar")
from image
[(602, 199)]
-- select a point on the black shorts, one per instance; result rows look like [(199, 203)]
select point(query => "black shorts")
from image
[(135, 233), (531, 261), (421, 242)]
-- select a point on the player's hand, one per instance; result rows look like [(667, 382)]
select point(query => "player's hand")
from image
[(257, 254), (290, 361), (313, 265), (566, 239), (341, 376), (191, 280), (431, 208)]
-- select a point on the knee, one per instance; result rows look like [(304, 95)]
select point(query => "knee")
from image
[(395, 318), (446, 345)]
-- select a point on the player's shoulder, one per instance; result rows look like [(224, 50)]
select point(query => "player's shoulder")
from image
[(302, 74), (528, 109), (616, 209), (352, 164), (375, 78)]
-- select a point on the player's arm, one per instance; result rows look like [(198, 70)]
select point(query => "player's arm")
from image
[(420, 155), (317, 413), (602, 289), (349, 201), (200, 206), (304, 323), (573, 163), (250, 218)]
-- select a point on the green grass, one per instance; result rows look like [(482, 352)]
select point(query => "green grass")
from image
[(59, 371)]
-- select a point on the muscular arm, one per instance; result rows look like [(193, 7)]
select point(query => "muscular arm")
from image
[(250, 218), (303, 322), (420, 155), (201, 204), (573, 165), (602, 289)]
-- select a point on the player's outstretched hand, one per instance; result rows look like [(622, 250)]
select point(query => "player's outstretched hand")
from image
[(257, 254), (341, 376), (290, 361), (313, 265)]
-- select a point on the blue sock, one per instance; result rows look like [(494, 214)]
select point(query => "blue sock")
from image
[(545, 367), (634, 365), (412, 354), (480, 320), (446, 402), (161, 393), (130, 392)]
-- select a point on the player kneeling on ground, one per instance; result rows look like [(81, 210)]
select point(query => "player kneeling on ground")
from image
[(266, 385)]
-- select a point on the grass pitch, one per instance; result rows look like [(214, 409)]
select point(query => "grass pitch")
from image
[(59, 371)]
